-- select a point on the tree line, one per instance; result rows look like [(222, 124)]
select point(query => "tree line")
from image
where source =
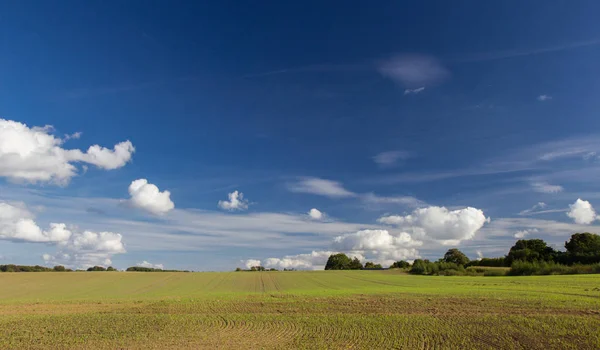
[(525, 257), (60, 268)]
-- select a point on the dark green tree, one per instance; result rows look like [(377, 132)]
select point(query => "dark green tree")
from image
[(59, 268), (584, 243), (530, 250), (110, 268), (338, 261), (456, 256), (400, 265), (355, 264)]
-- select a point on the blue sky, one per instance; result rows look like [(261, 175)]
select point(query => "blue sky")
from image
[(390, 120)]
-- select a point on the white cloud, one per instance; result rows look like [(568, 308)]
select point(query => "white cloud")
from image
[(73, 136), (315, 260), (389, 158), (440, 224), (544, 98), (87, 249), (582, 212), (479, 255), (16, 223), (544, 187), (521, 234), (150, 265), (414, 91), (236, 202), (373, 240), (414, 71), (35, 155), (315, 214), (536, 207), (321, 187), (148, 197), (251, 262), (402, 200)]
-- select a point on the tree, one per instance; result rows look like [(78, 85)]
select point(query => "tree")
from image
[(584, 243), (338, 261), (369, 265), (110, 268), (238, 269), (456, 256), (400, 265), (530, 250), (96, 268), (355, 264), (59, 268)]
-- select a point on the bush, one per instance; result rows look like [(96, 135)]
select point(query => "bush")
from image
[(527, 268), (494, 272)]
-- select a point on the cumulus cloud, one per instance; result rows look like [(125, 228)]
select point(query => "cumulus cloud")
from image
[(373, 240), (148, 197), (414, 71), (236, 202), (150, 265), (74, 248), (87, 249), (251, 262), (449, 227), (389, 158), (414, 91), (523, 233), (321, 187), (315, 260), (479, 255), (35, 155), (315, 214), (543, 98), (544, 187), (582, 212), (16, 223)]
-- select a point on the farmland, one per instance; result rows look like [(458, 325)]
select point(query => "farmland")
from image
[(320, 309)]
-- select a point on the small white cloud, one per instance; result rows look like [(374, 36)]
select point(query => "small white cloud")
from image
[(479, 255), (448, 227), (315, 260), (389, 158), (544, 187), (150, 265), (523, 233), (582, 212), (315, 214), (414, 71), (236, 202), (73, 136), (414, 91), (321, 187), (251, 263), (35, 155), (544, 98), (148, 197)]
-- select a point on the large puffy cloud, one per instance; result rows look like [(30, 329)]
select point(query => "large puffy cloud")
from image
[(251, 263), (87, 249), (148, 197), (35, 155), (449, 227), (16, 223), (373, 240), (582, 212), (74, 248), (236, 202)]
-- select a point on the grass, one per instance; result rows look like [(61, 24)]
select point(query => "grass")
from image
[(321, 309)]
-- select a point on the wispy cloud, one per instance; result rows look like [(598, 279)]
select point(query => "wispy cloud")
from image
[(544, 187), (390, 158), (414, 71), (543, 98), (321, 187), (414, 91)]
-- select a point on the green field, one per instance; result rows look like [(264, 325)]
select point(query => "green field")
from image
[(321, 309)]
